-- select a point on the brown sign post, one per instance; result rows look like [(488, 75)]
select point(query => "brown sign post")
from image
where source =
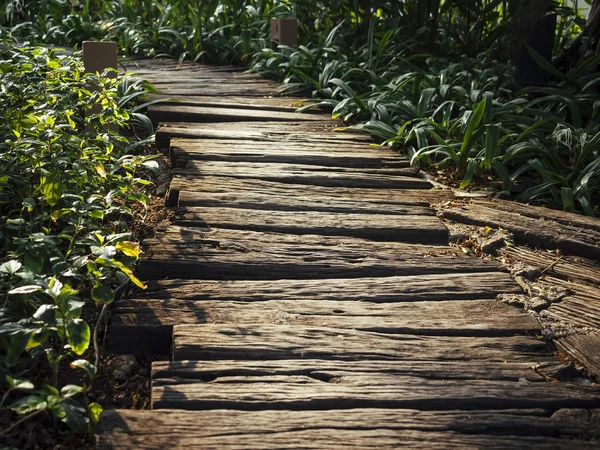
[(284, 32), (97, 57)]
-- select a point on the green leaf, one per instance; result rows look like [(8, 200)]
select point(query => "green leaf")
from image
[(18, 343), (568, 199), (47, 314), (20, 384), (85, 365), (22, 290), (70, 390), (78, 336), (94, 412), (75, 415), (470, 172), (29, 404), (103, 294), (548, 67), (473, 124), (10, 267)]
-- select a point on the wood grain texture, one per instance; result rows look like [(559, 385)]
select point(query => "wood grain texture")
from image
[(583, 348), (531, 231), (144, 327), (295, 202), (283, 173), (192, 190), (571, 268), (539, 212), (379, 227), (262, 169), (218, 259), (252, 342), (305, 132), (173, 372), (461, 286), (286, 104), (349, 390), (347, 429), (200, 114), (325, 154)]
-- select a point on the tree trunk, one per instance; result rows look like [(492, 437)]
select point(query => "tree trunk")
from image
[(585, 45)]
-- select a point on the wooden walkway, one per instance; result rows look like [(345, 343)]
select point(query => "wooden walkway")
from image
[(306, 297)]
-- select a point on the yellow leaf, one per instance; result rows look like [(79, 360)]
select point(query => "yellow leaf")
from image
[(100, 171), (129, 248)]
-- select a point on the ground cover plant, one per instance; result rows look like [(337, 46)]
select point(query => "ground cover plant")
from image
[(69, 178), (434, 79)]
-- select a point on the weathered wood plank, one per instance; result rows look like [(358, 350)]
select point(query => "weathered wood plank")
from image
[(405, 228), (253, 342), (307, 132), (348, 390), (583, 348), (539, 212), (531, 231), (445, 286), (576, 311), (324, 155), (197, 114), (285, 104), (190, 191), (144, 327), (180, 252), (271, 171), (170, 372), (572, 268), (346, 429), (299, 202), (280, 173), (247, 90)]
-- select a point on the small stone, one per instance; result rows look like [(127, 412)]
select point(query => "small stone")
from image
[(513, 299), (122, 366), (536, 304), (457, 236), (503, 195), (494, 242), (526, 271)]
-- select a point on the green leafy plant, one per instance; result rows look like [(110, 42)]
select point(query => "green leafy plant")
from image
[(66, 191)]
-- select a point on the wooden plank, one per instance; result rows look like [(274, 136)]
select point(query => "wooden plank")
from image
[(179, 113), (539, 212), (299, 202), (345, 429), (317, 132), (575, 311), (274, 171), (291, 143), (254, 342), (331, 178), (531, 231), (583, 348), (324, 154), (379, 227), (192, 191), (181, 252), (289, 104), (261, 104), (144, 327), (247, 90), (445, 286), (571, 268), (169, 372), (349, 390)]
